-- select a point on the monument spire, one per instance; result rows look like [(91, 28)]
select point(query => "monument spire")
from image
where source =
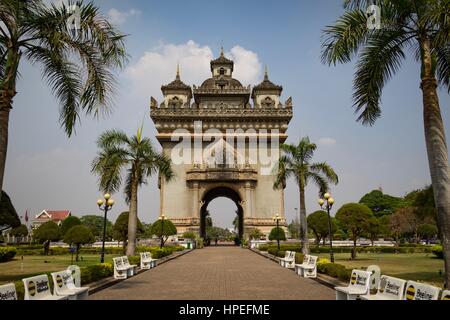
[(178, 72), (266, 74)]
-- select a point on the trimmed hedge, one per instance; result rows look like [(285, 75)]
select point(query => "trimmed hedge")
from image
[(7, 253), (96, 272), (402, 249), (35, 250), (437, 251)]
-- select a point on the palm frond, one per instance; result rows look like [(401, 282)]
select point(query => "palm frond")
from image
[(319, 181), (95, 50), (112, 138), (342, 40), (443, 66), (378, 62), (64, 79), (326, 170), (108, 166)]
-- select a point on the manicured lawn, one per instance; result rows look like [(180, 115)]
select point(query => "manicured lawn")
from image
[(34, 265), (409, 266)]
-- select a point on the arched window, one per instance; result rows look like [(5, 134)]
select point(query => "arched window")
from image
[(222, 71)]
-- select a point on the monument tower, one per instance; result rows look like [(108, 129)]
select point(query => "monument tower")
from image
[(223, 140)]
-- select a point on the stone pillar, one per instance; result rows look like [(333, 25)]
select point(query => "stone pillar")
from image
[(248, 200), (195, 200)]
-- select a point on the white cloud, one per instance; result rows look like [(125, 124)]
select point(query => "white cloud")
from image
[(327, 141), (120, 17), (158, 66), (247, 67)]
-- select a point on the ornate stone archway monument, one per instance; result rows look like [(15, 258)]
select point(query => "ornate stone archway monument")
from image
[(223, 140)]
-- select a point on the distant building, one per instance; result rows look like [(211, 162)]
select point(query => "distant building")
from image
[(50, 215)]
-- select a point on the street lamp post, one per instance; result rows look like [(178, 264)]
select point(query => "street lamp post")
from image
[(105, 206), (277, 219), (329, 201), (162, 218)]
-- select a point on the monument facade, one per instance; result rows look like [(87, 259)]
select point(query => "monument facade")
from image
[(223, 140)]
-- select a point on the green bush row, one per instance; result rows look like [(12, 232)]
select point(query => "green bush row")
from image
[(7, 253), (281, 253), (96, 272), (334, 270), (326, 249), (437, 251), (33, 250)]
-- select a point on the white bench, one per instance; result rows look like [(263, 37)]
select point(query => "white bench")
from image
[(375, 277), (390, 288), (445, 295), (76, 274), (147, 261), (421, 291), (64, 286), (38, 288), (359, 286), (8, 292), (308, 269), (121, 271), (132, 268), (289, 260)]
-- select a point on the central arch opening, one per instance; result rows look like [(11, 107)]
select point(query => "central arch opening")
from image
[(222, 192)]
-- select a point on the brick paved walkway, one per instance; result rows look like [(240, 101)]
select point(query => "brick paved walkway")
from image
[(218, 273)]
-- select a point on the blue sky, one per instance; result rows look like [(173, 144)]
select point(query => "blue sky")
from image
[(47, 170)]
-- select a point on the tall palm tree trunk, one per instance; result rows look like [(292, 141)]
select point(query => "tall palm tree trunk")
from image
[(7, 93), (303, 222), (132, 218), (437, 152), (5, 108)]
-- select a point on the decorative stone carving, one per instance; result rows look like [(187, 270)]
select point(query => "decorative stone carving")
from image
[(268, 103), (153, 103)]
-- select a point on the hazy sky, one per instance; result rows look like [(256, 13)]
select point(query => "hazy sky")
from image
[(47, 170)]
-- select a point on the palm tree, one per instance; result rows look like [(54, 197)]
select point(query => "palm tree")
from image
[(136, 155), (423, 26), (76, 65), (296, 162)]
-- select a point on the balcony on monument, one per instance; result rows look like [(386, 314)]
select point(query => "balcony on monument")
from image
[(221, 172)]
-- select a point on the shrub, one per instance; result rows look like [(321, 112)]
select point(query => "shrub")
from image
[(189, 235), (299, 258), (437, 251), (134, 260), (96, 272), (7, 253)]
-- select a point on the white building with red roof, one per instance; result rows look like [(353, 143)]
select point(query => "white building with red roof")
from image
[(57, 216)]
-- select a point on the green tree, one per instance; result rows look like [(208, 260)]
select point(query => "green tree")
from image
[(147, 234), (255, 234), (381, 204), (296, 162), (95, 224), (354, 219), (189, 235), (163, 229), (68, 223), (421, 27), (46, 233), (20, 231), (294, 228), (78, 235), (136, 155), (427, 231), (423, 201), (8, 214), (277, 234), (375, 229), (120, 229), (76, 65), (318, 223)]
